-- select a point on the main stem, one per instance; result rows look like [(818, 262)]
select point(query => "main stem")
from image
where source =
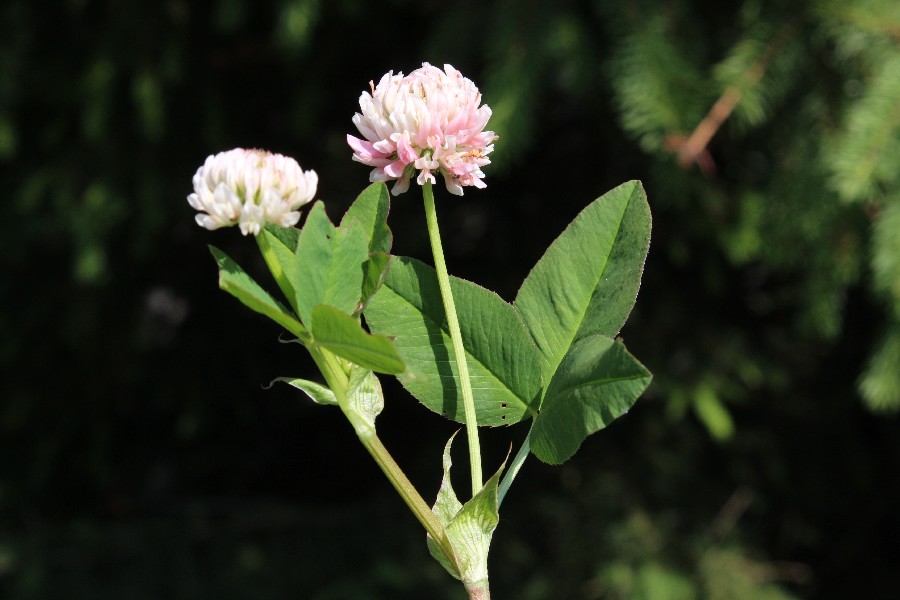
[(337, 380), (456, 337)]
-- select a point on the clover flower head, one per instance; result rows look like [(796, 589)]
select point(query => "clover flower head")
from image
[(250, 188), (429, 121)]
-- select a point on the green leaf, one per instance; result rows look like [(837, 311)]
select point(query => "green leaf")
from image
[(288, 236), (376, 273), (278, 248), (370, 211), (234, 280), (469, 526), (329, 265), (587, 281), (597, 381), (317, 392), (504, 364), (343, 335)]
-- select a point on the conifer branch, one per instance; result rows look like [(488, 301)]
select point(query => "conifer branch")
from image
[(693, 148)]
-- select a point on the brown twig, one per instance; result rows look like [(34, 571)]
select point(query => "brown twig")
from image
[(693, 148)]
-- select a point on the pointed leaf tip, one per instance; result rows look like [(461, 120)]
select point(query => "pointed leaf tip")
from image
[(235, 281), (587, 281), (597, 382), (445, 508), (370, 211)]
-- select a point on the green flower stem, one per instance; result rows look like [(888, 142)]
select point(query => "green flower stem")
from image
[(456, 337), (337, 380), (514, 466)]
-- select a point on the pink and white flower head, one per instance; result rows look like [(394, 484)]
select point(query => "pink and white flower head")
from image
[(429, 121), (250, 188)]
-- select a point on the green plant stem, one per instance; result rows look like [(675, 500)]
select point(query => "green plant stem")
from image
[(456, 337), (337, 380), (514, 466)]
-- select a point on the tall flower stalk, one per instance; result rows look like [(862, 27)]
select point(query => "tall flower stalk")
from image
[(459, 350), (431, 121)]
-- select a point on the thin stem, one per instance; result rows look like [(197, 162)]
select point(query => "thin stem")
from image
[(338, 382), (515, 466), (409, 494), (456, 337)]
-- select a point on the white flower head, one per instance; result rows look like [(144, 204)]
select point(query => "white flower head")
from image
[(250, 188), (430, 121)]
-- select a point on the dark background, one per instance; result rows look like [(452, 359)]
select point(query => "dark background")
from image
[(140, 456)]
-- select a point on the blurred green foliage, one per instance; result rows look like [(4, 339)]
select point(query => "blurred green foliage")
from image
[(769, 314)]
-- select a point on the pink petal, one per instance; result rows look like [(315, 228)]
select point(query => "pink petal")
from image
[(395, 169), (364, 149), (405, 151)]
